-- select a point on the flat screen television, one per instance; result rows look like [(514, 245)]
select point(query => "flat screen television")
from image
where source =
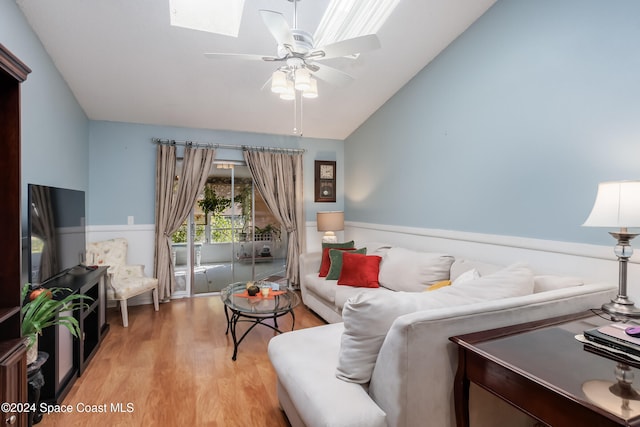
[(56, 224)]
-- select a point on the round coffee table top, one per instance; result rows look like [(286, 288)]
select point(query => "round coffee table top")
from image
[(236, 297)]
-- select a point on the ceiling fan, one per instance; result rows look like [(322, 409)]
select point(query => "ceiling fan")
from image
[(299, 55)]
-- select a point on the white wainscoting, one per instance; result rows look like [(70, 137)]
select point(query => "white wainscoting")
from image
[(544, 256), (314, 237), (141, 240), (594, 262)]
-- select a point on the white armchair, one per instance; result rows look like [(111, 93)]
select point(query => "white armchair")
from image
[(124, 281)]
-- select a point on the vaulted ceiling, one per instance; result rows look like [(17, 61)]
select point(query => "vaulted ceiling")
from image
[(124, 62)]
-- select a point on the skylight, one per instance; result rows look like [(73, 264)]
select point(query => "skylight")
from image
[(345, 19), (213, 16)]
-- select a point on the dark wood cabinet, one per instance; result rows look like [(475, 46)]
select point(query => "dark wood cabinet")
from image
[(69, 356), (13, 374), (13, 363)]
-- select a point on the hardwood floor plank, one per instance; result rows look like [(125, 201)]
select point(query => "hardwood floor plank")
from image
[(174, 367)]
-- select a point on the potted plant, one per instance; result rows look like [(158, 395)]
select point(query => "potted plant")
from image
[(270, 231), (212, 202), (43, 309)]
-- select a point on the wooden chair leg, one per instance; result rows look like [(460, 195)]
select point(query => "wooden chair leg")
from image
[(125, 316), (155, 299)]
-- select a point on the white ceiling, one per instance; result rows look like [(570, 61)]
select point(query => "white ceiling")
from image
[(124, 62)]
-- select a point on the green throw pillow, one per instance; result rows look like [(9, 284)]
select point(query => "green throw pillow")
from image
[(326, 262), (349, 244), (335, 256)]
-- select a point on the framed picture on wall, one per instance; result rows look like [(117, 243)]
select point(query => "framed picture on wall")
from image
[(325, 181)]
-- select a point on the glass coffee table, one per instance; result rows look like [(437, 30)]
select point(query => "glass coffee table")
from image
[(256, 309)]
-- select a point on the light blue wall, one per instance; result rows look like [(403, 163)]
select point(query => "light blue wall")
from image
[(55, 130), (113, 162), (122, 166), (511, 128)]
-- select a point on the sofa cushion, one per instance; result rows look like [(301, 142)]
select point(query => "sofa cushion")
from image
[(368, 316), (343, 293), (550, 282), (375, 248), (326, 289), (411, 271), (304, 361), (325, 263), (335, 255), (360, 270)]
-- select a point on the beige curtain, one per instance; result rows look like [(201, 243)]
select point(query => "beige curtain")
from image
[(174, 202), (278, 178)]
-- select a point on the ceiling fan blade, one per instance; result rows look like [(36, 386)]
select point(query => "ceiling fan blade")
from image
[(242, 56), (332, 75), (278, 27), (348, 47)]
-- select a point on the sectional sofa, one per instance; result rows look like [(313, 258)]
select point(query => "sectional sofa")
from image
[(385, 358)]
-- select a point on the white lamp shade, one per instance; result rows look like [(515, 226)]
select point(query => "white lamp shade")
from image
[(330, 221), (290, 93), (617, 205), (303, 79), (312, 92), (278, 82)]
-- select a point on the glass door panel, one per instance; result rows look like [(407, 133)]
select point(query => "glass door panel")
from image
[(231, 249), (230, 236)]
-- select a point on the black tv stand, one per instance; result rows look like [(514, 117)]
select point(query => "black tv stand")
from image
[(68, 355)]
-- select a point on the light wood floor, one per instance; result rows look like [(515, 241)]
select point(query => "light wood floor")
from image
[(174, 368)]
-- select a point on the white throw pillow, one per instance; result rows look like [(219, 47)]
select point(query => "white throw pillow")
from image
[(406, 270), (461, 265), (368, 316), (375, 248), (466, 276)]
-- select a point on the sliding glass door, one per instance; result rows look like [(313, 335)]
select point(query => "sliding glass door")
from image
[(233, 237)]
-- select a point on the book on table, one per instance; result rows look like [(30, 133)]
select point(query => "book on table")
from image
[(615, 337)]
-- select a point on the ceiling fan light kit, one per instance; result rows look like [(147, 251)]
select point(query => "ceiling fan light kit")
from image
[(290, 93), (285, 82), (279, 82), (312, 92), (302, 79), (298, 53)]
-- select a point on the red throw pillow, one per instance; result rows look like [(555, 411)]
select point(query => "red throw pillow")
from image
[(360, 270), (325, 265)]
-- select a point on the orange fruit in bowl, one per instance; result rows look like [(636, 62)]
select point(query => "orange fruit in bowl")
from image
[(34, 293)]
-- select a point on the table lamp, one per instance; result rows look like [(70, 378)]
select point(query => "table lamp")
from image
[(618, 205), (329, 222)]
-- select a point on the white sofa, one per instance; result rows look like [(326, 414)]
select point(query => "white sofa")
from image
[(413, 362), (326, 297)]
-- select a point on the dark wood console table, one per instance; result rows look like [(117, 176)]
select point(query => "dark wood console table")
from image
[(69, 356), (542, 370)]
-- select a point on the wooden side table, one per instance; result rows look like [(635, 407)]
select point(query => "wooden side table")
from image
[(542, 370)]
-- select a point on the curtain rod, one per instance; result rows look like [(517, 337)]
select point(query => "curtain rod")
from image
[(233, 147)]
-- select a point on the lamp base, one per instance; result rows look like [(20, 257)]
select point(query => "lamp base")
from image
[(329, 237), (621, 307)]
